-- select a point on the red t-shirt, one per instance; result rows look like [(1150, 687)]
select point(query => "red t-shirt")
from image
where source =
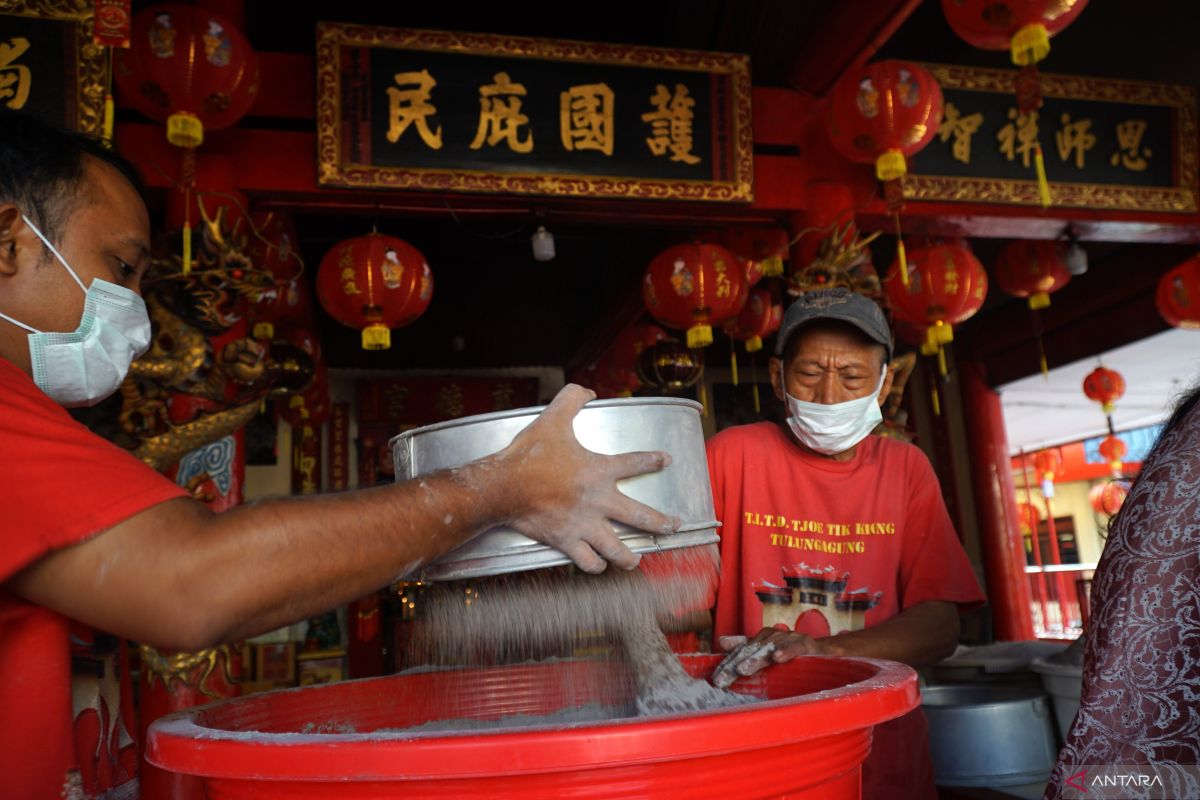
[(61, 734), (823, 547)]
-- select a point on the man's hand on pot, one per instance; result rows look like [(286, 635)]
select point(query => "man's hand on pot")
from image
[(566, 494), (769, 646)]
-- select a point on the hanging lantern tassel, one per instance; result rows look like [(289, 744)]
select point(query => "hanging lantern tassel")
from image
[(937, 336), (934, 400), (106, 133), (733, 370), (699, 336), (187, 248), (1043, 185), (1037, 332), (902, 258)]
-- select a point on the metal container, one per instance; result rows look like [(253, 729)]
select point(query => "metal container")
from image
[(602, 426), (989, 735)]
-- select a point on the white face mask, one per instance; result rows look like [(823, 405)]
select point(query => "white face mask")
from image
[(85, 366), (835, 428)]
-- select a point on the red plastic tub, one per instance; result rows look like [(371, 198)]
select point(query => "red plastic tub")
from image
[(808, 739)]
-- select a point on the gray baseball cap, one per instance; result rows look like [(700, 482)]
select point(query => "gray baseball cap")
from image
[(839, 304)]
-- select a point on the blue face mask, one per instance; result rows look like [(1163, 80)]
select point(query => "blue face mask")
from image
[(83, 367)]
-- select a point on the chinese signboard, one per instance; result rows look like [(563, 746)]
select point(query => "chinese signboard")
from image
[(412, 109), (1106, 143), (408, 402), (49, 65)]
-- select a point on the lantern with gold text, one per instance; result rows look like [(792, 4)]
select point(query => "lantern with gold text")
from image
[(1024, 28), (766, 247), (374, 283), (754, 321), (1105, 386), (273, 247), (881, 114), (946, 286), (693, 287), (668, 366), (1108, 497), (1178, 295), (1033, 270), (188, 67)]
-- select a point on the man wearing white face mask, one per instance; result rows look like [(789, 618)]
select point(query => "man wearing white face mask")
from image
[(92, 538), (836, 542)]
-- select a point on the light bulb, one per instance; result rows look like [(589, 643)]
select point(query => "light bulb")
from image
[(1077, 259), (543, 244)]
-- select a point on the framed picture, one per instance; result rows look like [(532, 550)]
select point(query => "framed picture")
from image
[(49, 65)]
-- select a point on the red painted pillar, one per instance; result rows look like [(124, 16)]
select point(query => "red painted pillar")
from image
[(996, 501)]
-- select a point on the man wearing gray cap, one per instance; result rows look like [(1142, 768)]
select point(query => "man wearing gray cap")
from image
[(836, 542)]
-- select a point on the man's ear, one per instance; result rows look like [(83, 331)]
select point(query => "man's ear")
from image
[(887, 384), (10, 222), (775, 369)]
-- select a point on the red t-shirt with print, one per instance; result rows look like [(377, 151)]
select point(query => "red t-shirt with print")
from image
[(61, 734), (822, 547)]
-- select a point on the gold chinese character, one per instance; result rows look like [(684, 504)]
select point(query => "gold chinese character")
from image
[(1020, 136), (397, 400), (502, 396), (1131, 154), (450, 401), (671, 124), (14, 78), (724, 288), (349, 286), (411, 106), (500, 118), (1074, 137), (586, 118), (962, 129)]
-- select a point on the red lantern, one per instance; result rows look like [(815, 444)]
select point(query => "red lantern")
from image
[(946, 286), (1113, 450), (883, 112), (1023, 27), (767, 247), (1033, 269), (1047, 463), (1105, 386), (1028, 518), (1178, 296), (272, 247), (374, 283), (189, 67), (754, 322), (1108, 497), (693, 287)]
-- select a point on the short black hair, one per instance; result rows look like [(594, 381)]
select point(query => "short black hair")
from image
[(42, 166)]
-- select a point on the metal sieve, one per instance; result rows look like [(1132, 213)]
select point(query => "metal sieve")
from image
[(602, 426)]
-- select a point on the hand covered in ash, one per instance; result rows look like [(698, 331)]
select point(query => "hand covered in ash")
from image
[(568, 494), (769, 646)]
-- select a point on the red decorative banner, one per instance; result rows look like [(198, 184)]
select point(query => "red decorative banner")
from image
[(306, 460), (112, 23), (339, 447)]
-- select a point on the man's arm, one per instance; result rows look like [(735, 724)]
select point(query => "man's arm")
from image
[(919, 635), (179, 575)]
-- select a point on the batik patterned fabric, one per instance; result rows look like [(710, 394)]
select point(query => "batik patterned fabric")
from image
[(1141, 685)]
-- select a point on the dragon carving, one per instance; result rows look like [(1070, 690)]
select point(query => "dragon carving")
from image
[(200, 381)]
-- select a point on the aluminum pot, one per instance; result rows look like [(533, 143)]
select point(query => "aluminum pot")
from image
[(989, 735), (602, 426)]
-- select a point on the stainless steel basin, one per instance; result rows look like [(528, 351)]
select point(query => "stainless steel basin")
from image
[(988, 734), (602, 426)]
